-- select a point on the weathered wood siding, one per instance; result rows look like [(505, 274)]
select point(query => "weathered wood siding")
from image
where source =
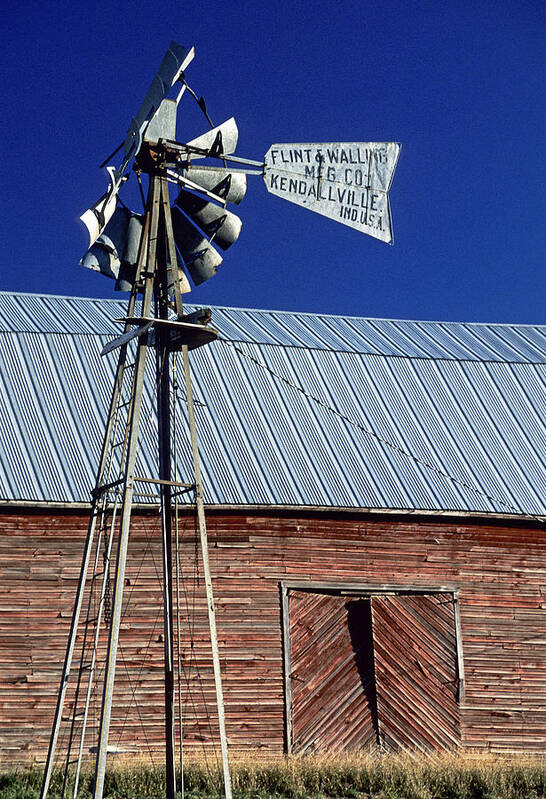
[(498, 567), (332, 684), (416, 672)]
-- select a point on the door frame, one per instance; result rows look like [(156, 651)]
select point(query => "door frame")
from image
[(364, 590)]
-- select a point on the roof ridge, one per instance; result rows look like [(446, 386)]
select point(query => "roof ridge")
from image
[(313, 314)]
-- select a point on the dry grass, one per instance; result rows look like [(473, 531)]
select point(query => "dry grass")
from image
[(360, 776), (402, 776)]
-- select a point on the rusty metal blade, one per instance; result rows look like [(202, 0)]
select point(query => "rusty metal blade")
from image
[(106, 253)]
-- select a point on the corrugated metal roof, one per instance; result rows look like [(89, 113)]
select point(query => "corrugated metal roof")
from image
[(442, 416)]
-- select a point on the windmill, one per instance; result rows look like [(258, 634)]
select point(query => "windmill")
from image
[(153, 255)]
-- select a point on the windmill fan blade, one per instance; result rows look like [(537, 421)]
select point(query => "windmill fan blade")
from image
[(106, 253), (348, 182), (184, 283), (216, 222), (163, 123), (217, 141), (200, 257), (115, 252), (127, 268), (174, 62), (230, 186), (97, 217)]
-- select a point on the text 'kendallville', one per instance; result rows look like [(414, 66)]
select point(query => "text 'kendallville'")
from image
[(348, 200)]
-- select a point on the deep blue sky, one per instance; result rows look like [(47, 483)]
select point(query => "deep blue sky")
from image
[(459, 84)]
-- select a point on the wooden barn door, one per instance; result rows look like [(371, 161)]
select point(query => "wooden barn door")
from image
[(379, 669), (331, 673), (416, 671)]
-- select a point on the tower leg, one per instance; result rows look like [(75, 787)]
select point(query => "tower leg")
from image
[(148, 251), (163, 382), (206, 571), (95, 511), (69, 654), (119, 578)]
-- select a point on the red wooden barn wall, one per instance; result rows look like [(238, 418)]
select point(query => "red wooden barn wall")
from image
[(497, 566)]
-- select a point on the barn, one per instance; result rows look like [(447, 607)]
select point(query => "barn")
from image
[(375, 495)]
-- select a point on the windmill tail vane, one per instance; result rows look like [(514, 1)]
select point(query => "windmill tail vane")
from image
[(345, 181)]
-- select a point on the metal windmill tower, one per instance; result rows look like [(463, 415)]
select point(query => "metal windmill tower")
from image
[(150, 254)]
